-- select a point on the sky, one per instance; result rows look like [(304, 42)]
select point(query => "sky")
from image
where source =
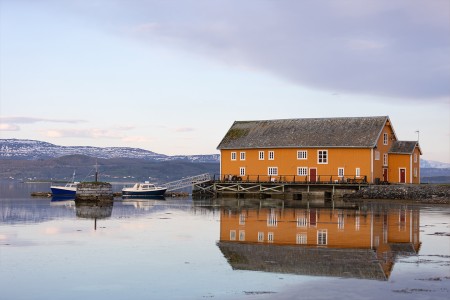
[(171, 76)]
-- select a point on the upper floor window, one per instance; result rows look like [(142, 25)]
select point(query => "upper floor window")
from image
[(233, 155), (377, 155), (415, 157), (261, 155), (341, 172), (271, 155), (322, 156), (385, 138), (242, 155), (302, 154), (385, 159)]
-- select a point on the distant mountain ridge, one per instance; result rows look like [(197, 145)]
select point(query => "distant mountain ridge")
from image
[(19, 149)]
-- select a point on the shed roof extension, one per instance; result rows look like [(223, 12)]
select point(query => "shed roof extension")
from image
[(404, 147), (359, 132)]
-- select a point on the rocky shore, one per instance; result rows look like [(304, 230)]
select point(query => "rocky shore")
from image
[(423, 193)]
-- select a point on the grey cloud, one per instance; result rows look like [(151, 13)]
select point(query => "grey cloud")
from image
[(389, 48)]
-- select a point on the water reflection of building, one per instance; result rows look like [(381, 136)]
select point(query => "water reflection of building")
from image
[(94, 209), (320, 241)]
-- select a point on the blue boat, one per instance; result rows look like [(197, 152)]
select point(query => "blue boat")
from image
[(68, 189)]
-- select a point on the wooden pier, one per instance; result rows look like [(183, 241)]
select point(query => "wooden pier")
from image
[(278, 187)]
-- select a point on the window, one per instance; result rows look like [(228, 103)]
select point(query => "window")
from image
[(273, 171), (242, 235), (302, 171), (272, 219), (341, 172), (302, 154), (232, 235), (322, 237), (301, 238), (260, 236), (233, 155), (322, 156), (377, 155), (242, 155), (415, 172), (261, 155), (341, 221), (271, 155), (415, 157), (241, 171), (357, 172), (302, 221), (270, 237), (242, 219), (385, 159), (385, 138)]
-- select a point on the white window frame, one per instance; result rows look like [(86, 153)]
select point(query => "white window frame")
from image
[(302, 171), (302, 238), (415, 171), (272, 171), (302, 154), (341, 221), (242, 171), (270, 237), (377, 155), (385, 138), (385, 160), (242, 156), (302, 221), (261, 155), (232, 235), (272, 219), (322, 237), (242, 235), (271, 155), (242, 219), (233, 155), (260, 236), (358, 172), (321, 159), (415, 157), (341, 172)]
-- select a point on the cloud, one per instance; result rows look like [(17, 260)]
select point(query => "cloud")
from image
[(10, 123), (388, 48)]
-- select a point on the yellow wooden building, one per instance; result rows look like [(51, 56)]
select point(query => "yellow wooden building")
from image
[(353, 149)]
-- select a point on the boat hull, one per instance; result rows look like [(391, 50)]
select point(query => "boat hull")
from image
[(60, 191), (158, 192)]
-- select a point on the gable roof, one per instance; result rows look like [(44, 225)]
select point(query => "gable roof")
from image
[(404, 147), (359, 132)]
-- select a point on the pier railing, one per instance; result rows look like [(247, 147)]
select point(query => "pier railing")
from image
[(299, 179)]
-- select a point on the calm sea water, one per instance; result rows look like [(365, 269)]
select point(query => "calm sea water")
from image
[(222, 249)]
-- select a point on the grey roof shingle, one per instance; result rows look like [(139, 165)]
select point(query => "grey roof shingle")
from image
[(360, 132), (403, 147)]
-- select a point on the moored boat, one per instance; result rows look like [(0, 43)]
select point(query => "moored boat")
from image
[(144, 189), (68, 189)]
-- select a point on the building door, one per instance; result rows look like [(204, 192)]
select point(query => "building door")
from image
[(312, 175), (402, 175), (385, 175)]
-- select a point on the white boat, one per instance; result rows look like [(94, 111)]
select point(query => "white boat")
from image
[(144, 189), (68, 189)]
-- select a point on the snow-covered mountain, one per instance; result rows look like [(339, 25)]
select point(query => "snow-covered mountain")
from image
[(434, 164), (35, 150)]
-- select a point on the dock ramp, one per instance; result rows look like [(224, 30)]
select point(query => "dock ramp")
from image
[(187, 181)]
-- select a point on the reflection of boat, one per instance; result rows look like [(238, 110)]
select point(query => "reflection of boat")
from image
[(59, 198), (143, 189), (69, 189), (141, 202)]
